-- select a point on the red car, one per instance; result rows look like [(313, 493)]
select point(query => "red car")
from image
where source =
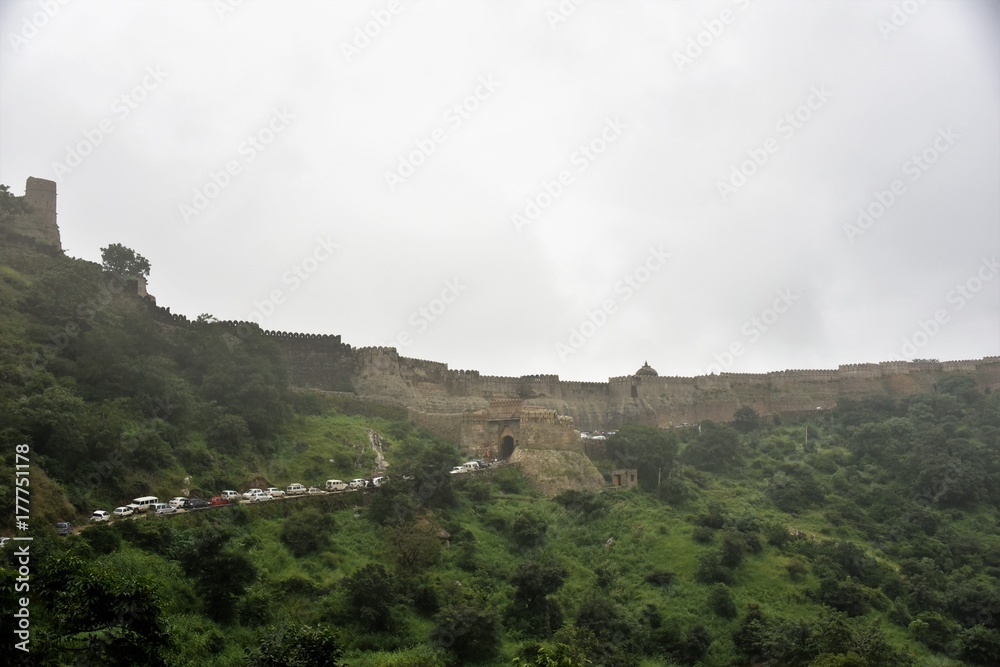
[(218, 500)]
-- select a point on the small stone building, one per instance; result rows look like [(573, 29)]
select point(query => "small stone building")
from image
[(625, 478)]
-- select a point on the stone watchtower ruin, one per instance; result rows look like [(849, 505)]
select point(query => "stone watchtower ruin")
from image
[(39, 222)]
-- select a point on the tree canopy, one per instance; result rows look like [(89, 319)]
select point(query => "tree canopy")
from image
[(123, 262)]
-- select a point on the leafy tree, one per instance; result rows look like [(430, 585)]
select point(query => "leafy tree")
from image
[(101, 616), (123, 262), (715, 449), (471, 634), (556, 655), (606, 620), (413, 547), (11, 205), (307, 531), (720, 601), (371, 593), (746, 419), (228, 434), (695, 644), (428, 460), (528, 529), (652, 451), (534, 581), (980, 645), (298, 646), (393, 505), (223, 571)]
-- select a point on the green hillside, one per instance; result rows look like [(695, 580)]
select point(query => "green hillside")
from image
[(866, 535)]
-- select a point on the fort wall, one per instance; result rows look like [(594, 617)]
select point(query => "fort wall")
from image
[(435, 394), (431, 391), (38, 224)]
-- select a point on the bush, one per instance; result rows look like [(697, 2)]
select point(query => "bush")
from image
[(711, 570), (527, 529), (510, 479), (695, 644), (660, 578), (298, 646), (585, 503), (734, 547), (469, 633), (306, 532), (371, 593), (720, 601), (703, 535), (103, 539)]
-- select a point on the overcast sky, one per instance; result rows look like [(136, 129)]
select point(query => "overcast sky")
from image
[(525, 187)]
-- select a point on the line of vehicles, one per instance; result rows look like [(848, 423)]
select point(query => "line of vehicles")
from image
[(152, 505)]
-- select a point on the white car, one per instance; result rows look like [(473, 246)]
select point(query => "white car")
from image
[(335, 485), (294, 489), (313, 490), (259, 496), (458, 470), (99, 515), (359, 483), (274, 492), (177, 502), (122, 512), (247, 495), (229, 494)]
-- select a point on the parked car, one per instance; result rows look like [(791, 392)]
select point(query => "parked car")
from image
[(122, 512), (295, 489), (274, 492), (458, 470), (166, 510), (177, 502), (313, 490), (194, 504), (143, 503), (335, 485), (471, 465), (99, 515), (156, 507), (64, 528), (359, 483), (251, 492), (218, 500), (260, 496), (380, 480), (229, 494)]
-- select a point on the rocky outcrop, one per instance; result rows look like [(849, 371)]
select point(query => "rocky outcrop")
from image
[(552, 471)]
